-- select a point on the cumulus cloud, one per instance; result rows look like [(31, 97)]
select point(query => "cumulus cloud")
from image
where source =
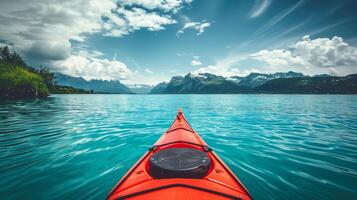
[(196, 63), (136, 19), (321, 55), (94, 68), (50, 31), (325, 52), (260, 6), (44, 29), (33, 25), (310, 56), (165, 5), (197, 26), (277, 58)]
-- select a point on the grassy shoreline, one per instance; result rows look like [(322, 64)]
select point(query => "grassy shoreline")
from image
[(19, 82)]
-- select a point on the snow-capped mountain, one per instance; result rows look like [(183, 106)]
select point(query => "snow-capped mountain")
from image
[(257, 79), (140, 88), (205, 83)]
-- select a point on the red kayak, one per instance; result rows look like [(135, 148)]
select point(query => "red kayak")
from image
[(179, 166)]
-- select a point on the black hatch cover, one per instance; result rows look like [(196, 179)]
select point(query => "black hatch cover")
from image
[(179, 163)]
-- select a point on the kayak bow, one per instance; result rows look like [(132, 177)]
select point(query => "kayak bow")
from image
[(179, 166)]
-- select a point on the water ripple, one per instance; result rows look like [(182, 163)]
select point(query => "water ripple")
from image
[(78, 146)]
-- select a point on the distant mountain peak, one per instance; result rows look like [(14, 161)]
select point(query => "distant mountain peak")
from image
[(206, 82), (98, 86), (280, 82), (255, 79), (140, 88)]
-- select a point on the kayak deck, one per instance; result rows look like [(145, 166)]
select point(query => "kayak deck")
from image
[(218, 183)]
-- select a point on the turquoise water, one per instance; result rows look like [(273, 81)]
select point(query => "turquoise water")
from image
[(280, 146)]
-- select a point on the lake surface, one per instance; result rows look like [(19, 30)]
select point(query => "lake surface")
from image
[(280, 146)]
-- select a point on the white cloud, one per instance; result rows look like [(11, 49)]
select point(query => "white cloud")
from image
[(94, 68), (147, 70), (309, 56), (54, 32), (325, 52), (196, 63), (224, 67), (278, 58), (198, 26), (209, 69), (165, 5), (321, 55), (44, 28), (33, 26), (90, 54), (136, 19), (260, 6), (227, 72)]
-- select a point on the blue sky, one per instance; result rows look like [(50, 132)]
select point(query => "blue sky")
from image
[(148, 41)]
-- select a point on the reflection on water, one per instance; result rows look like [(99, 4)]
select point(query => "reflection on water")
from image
[(78, 146)]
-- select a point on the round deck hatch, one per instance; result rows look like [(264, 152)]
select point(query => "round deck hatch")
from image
[(179, 163)]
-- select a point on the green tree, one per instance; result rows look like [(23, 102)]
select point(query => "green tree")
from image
[(5, 53), (47, 76), (11, 57)]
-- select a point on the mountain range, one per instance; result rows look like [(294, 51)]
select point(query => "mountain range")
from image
[(200, 84), (285, 83), (206, 83), (101, 86), (97, 86), (31, 82), (257, 79), (311, 85), (140, 88)]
